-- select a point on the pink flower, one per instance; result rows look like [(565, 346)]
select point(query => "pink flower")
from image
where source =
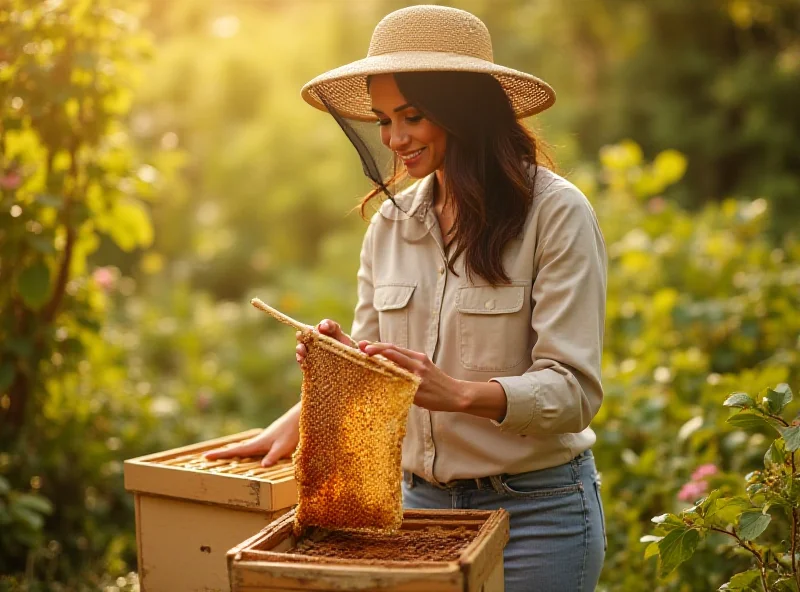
[(704, 471), (692, 490), (657, 205), (11, 180), (104, 277)]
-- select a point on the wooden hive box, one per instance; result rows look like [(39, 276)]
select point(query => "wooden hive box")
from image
[(190, 511), (275, 560)]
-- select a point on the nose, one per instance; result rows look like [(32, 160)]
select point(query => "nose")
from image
[(398, 139)]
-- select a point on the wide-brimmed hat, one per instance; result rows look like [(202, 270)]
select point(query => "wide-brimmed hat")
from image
[(424, 38)]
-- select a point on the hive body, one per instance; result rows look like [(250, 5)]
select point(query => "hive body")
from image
[(352, 423), (472, 561), (190, 512)]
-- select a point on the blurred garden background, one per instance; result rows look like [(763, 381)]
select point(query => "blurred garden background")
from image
[(158, 169)]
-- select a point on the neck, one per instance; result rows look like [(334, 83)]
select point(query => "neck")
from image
[(438, 191)]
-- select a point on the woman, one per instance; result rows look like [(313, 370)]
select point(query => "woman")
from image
[(487, 279)]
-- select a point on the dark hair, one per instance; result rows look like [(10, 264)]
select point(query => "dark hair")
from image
[(485, 165)]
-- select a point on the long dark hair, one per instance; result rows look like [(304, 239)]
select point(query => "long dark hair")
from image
[(485, 165)]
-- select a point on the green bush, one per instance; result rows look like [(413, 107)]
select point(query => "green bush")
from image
[(699, 305), (768, 509), (69, 179)]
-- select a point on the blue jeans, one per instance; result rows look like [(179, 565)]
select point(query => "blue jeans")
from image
[(557, 541)]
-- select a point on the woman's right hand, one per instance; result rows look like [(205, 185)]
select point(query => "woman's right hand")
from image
[(277, 441), (329, 328)]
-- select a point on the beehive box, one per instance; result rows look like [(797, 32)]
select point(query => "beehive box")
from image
[(190, 511), (434, 551)]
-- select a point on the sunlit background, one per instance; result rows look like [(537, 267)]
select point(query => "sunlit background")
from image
[(159, 169)]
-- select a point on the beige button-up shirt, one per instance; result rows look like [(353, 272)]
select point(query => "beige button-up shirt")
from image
[(540, 337)]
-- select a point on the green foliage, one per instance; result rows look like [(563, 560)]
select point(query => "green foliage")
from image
[(716, 80), (22, 517), (771, 496), (69, 178), (699, 305)]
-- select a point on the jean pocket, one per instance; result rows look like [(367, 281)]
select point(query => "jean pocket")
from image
[(602, 514), (524, 488)]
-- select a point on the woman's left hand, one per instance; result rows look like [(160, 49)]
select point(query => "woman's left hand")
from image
[(437, 391)]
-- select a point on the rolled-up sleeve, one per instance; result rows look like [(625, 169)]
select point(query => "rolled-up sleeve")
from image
[(561, 391), (365, 319)]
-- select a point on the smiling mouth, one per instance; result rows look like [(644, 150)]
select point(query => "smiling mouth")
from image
[(406, 158)]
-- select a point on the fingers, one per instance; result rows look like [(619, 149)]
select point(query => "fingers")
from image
[(282, 448), (273, 456), (300, 353), (334, 329), (381, 348), (247, 448), (397, 357), (329, 327)]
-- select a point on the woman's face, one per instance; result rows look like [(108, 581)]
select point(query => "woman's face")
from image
[(418, 142)]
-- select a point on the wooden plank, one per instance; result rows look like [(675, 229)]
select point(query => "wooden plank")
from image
[(270, 536), (228, 490), (417, 524), (283, 492), (496, 580), (448, 515), (254, 493), (183, 545), (214, 482), (138, 515), (478, 559), (282, 576), (198, 447), (301, 561)]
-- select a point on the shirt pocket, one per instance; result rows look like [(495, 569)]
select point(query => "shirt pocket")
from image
[(493, 327), (391, 302)]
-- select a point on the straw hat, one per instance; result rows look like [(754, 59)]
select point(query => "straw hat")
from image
[(422, 39)]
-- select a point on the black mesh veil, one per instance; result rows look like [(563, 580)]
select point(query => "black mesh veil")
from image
[(380, 164)]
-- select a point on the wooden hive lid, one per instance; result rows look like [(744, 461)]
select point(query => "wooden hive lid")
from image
[(242, 483)]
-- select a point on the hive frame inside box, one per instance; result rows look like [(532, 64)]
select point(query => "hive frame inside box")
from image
[(187, 519), (264, 562)]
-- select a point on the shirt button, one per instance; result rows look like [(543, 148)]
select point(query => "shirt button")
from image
[(441, 271), (489, 305)]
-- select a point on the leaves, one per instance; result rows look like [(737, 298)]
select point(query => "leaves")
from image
[(776, 400), (751, 421), (791, 437), (33, 285), (725, 511), (776, 453), (752, 524), (742, 400), (743, 581), (128, 224), (677, 547)]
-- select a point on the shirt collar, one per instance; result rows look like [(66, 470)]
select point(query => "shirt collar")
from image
[(413, 202)]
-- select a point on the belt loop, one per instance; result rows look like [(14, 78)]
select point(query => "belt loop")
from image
[(408, 477), (497, 483)]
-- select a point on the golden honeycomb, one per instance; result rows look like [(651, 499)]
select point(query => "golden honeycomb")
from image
[(352, 422)]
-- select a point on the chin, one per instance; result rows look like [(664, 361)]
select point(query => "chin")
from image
[(419, 172)]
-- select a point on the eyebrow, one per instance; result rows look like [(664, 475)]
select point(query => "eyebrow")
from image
[(396, 109)]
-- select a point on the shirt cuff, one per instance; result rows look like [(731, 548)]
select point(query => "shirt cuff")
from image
[(522, 402)]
